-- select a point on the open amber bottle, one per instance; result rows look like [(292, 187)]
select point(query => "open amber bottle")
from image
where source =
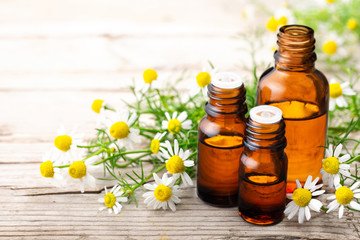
[(221, 134), (302, 93), (263, 167)]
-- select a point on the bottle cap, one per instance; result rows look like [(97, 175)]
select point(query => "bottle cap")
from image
[(226, 80), (266, 114)]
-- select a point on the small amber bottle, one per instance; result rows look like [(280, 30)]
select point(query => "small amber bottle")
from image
[(220, 141), (263, 167), (302, 94)]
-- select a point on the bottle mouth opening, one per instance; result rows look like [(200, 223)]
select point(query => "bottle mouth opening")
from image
[(296, 30)]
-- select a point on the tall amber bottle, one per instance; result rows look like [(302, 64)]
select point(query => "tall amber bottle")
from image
[(302, 93), (263, 167), (220, 142)]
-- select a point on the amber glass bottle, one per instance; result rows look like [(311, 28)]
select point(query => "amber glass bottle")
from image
[(302, 94), (263, 167), (220, 145)]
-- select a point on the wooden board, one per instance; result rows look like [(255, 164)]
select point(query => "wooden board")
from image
[(57, 57)]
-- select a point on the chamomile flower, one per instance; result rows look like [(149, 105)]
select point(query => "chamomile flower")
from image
[(272, 24), (333, 165), (302, 200), (337, 90), (284, 16), (150, 77), (176, 123), (155, 145), (66, 141), (98, 105), (81, 171), (202, 80), (162, 194), (352, 24), (48, 170), (344, 196), (113, 199), (176, 161), (119, 126)]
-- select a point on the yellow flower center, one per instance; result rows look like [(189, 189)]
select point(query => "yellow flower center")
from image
[(109, 200), (119, 130), (174, 126), (47, 169), (302, 197), (352, 24), (344, 195), (155, 146), (335, 90), (63, 142), (77, 169), (97, 104), (150, 75), (330, 1), (331, 165), (175, 165), (203, 79), (330, 47), (162, 193), (272, 24), (282, 20)]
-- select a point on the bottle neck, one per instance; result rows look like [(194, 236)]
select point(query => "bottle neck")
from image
[(296, 45), (226, 102), (265, 136)]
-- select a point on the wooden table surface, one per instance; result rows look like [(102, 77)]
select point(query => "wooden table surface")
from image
[(56, 57)]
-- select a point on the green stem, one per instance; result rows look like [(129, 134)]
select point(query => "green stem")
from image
[(121, 154), (149, 130), (357, 158), (91, 155), (95, 153), (131, 161), (147, 178)]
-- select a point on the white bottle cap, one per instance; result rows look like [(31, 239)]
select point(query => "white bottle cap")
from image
[(226, 80), (266, 114)]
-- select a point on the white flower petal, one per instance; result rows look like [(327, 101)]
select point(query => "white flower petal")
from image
[(187, 153), (290, 207), (181, 154), (293, 213), (167, 115), (332, 206), (169, 148), (157, 179), (317, 193), (307, 213), (182, 116), (308, 182), (355, 185), (338, 150), (331, 150), (176, 147), (186, 124), (301, 215), (174, 115), (189, 163), (164, 124), (355, 205), (150, 186), (298, 185), (172, 206), (315, 205), (344, 158), (341, 211)]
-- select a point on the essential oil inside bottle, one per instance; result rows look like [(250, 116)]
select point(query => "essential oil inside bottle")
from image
[(221, 134), (263, 168), (302, 93)]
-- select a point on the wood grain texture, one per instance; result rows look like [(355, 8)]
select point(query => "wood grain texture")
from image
[(57, 57)]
